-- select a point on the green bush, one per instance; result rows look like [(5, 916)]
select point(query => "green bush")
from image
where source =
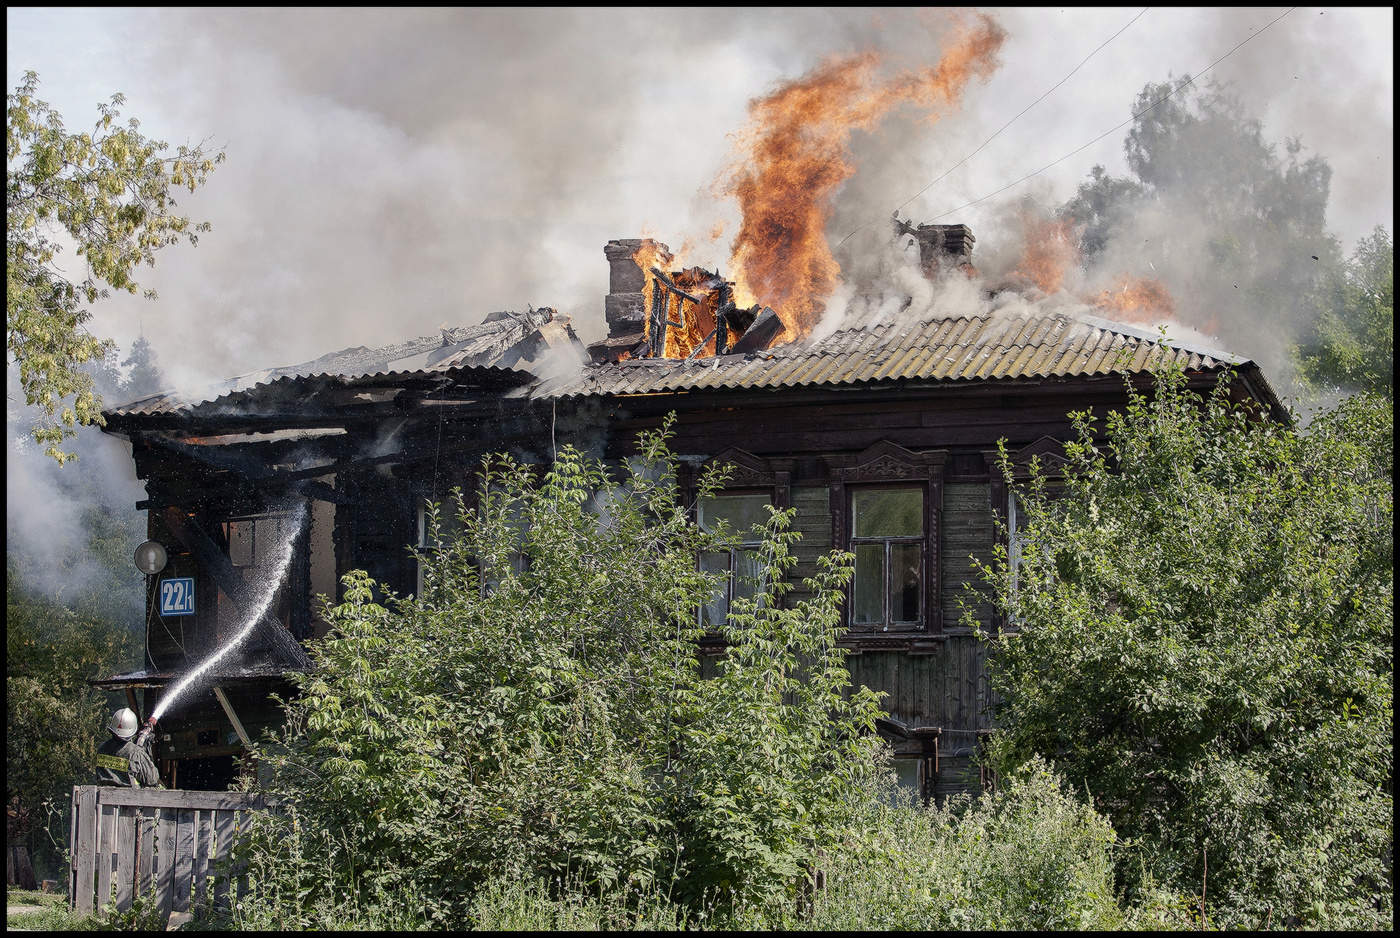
[(54, 720), (1204, 641), (1031, 856), (538, 713)]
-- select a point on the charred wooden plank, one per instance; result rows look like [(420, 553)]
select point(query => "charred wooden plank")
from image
[(216, 563), (714, 333), (666, 282), (764, 330)]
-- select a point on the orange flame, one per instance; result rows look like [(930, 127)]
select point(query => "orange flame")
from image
[(798, 153), (650, 253), (696, 320), (1051, 250), (1137, 299)]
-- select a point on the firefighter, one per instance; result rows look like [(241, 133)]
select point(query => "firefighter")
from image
[(122, 763)]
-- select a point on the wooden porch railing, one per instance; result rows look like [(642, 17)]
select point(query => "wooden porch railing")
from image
[(129, 842)]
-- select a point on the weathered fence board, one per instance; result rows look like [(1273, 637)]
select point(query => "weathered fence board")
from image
[(203, 844), (157, 844), (223, 837), (145, 862), (85, 817), (106, 851), (126, 860), (184, 860), (165, 860)]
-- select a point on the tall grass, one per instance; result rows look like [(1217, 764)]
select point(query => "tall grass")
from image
[(1032, 856)]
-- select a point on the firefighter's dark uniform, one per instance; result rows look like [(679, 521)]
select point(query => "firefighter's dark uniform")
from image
[(122, 763)]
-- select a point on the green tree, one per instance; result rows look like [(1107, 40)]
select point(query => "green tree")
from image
[(1203, 640), (54, 720), (539, 711), (1351, 346), (111, 193), (1233, 223), (145, 377)]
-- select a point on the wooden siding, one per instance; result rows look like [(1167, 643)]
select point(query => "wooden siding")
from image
[(947, 688), (968, 531), (813, 504)]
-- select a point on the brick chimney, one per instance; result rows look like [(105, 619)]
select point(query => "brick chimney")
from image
[(625, 305), (940, 245)]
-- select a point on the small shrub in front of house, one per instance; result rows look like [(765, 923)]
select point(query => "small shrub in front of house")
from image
[(538, 714)]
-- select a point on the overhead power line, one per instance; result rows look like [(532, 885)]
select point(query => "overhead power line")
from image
[(1013, 120), (1117, 127)]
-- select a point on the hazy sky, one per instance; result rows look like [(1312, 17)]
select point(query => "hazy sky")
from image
[(389, 171)]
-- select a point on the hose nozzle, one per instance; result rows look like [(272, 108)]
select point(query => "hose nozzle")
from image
[(145, 734)]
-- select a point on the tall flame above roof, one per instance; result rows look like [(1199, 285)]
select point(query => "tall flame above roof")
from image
[(797, 152)]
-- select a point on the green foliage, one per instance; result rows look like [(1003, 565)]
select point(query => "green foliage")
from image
[(54, 720), (539, 712), (1352, 344), (1205, 644), (508, 904), (110, 192), (145, 377), (1031, 857), (52, 915)]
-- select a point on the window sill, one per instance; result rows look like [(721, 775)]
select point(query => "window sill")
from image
[(919, 643)]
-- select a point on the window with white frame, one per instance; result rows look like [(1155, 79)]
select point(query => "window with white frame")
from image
[(1015, 535), (448, 527)]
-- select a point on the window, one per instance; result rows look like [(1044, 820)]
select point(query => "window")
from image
[(254, 544), (908, 773), (448, 527), (887, 537), (741, 562), (1015, 536)]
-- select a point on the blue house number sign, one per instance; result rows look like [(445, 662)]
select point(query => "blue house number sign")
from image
[(177, 596)]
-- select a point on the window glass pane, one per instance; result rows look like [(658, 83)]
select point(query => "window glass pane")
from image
[(904, 581), (867, 603), (740, 511), (448, 522), (746, 572), (906, 773), (240, 543), (888, 513), (714, 612)]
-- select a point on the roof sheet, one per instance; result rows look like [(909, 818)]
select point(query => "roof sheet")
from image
[(959, 349), (968, 348), (243, 391)]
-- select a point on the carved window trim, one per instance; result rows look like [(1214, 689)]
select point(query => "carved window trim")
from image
[(888, 464), (751, 474)]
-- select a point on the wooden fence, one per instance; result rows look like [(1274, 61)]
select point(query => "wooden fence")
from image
[(128, 842)]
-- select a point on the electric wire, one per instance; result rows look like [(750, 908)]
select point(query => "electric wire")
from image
[(1013, 120), (1185, 84)]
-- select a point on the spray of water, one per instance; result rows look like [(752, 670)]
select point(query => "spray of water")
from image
[(264, 600)]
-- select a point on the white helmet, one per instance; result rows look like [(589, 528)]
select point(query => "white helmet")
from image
[(123, 723)]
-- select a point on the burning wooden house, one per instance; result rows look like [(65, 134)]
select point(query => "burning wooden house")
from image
[(883, 438)]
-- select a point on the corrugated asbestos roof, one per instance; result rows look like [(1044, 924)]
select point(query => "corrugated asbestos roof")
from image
[(242, 392), (962, 349)]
